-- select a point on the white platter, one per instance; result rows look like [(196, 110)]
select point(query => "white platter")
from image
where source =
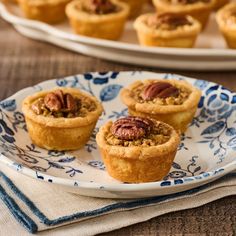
[(210, 52), (206, 152)]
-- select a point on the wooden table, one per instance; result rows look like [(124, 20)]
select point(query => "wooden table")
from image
[(24, 62)]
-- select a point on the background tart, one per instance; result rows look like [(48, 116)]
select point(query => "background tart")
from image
[(171, 101), (91, 20), (226, 19), (49, 11), (137, 150), (53, 131), (135, 7), (198, 9), (167, 30)]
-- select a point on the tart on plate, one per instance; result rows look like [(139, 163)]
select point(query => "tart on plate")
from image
[(198, 9), (61, 119), (135, 7), (167, 30), (98, 18), (136, 150), (49, 11), (171, 101), (226, 19)]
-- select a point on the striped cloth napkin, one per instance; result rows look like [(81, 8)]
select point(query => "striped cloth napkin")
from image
[(30, 206)]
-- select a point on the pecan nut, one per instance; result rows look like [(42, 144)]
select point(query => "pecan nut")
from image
[(131, 128), (159, 90), (57, 101), (99, 6), (70, 103), (52, 102)]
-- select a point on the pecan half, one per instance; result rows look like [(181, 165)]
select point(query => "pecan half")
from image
[(52, 102), (71, 104), (57, 101), (159, 90), (99, 6), (131, 128)]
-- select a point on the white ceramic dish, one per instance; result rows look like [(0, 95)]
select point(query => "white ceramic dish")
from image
[(206, 152), (210, 52)]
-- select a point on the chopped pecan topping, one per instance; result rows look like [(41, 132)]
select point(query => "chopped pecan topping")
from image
[(99, 7), (57, 104), (159, 90), (167, 21), (131, 128), (187, 1)]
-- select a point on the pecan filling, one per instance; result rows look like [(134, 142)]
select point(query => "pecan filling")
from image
[(99, 7), (161, 93), (57, 104), (184, 2), (167, 21), (137, 131)]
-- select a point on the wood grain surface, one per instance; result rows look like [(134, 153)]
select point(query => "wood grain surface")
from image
[(24, 62)]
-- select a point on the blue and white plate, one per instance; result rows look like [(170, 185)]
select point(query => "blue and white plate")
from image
[(207, 150)]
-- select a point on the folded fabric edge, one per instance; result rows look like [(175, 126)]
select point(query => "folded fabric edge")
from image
[(16, 211), (32, 227)]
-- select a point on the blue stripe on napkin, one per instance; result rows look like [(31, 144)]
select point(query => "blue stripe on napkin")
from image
[(31, 226)]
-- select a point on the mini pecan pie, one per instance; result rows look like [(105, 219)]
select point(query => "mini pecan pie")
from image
[(167, 30), (61, 119), (136, 149), (171, 101), (98, 18), (220, 3), (226, 19), (49, 11), (135, 7), (198, 9)]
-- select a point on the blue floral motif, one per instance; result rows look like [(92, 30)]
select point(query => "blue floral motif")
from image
[(61, 82), (19, 121), (201, 84), (102, 77), (191, 169), (8, 105), (91, 145), (110, 92), (116, 115), (97, 164), (6, 132), (56, 153)]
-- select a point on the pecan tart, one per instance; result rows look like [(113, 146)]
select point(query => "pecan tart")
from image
[(49, 11), (167, 30), (171, 101), (136, 149), (61, 119), (198, 9), (226, 19), (220, 3), (98, 18), (136, 7)]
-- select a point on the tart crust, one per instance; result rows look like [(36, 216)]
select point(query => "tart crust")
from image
[(49, 11), (135, 7), (137, 164), (183, 36), (178, 116), (228, 30), (106, 26), (60, 133), (199, 10), (220, 3)]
